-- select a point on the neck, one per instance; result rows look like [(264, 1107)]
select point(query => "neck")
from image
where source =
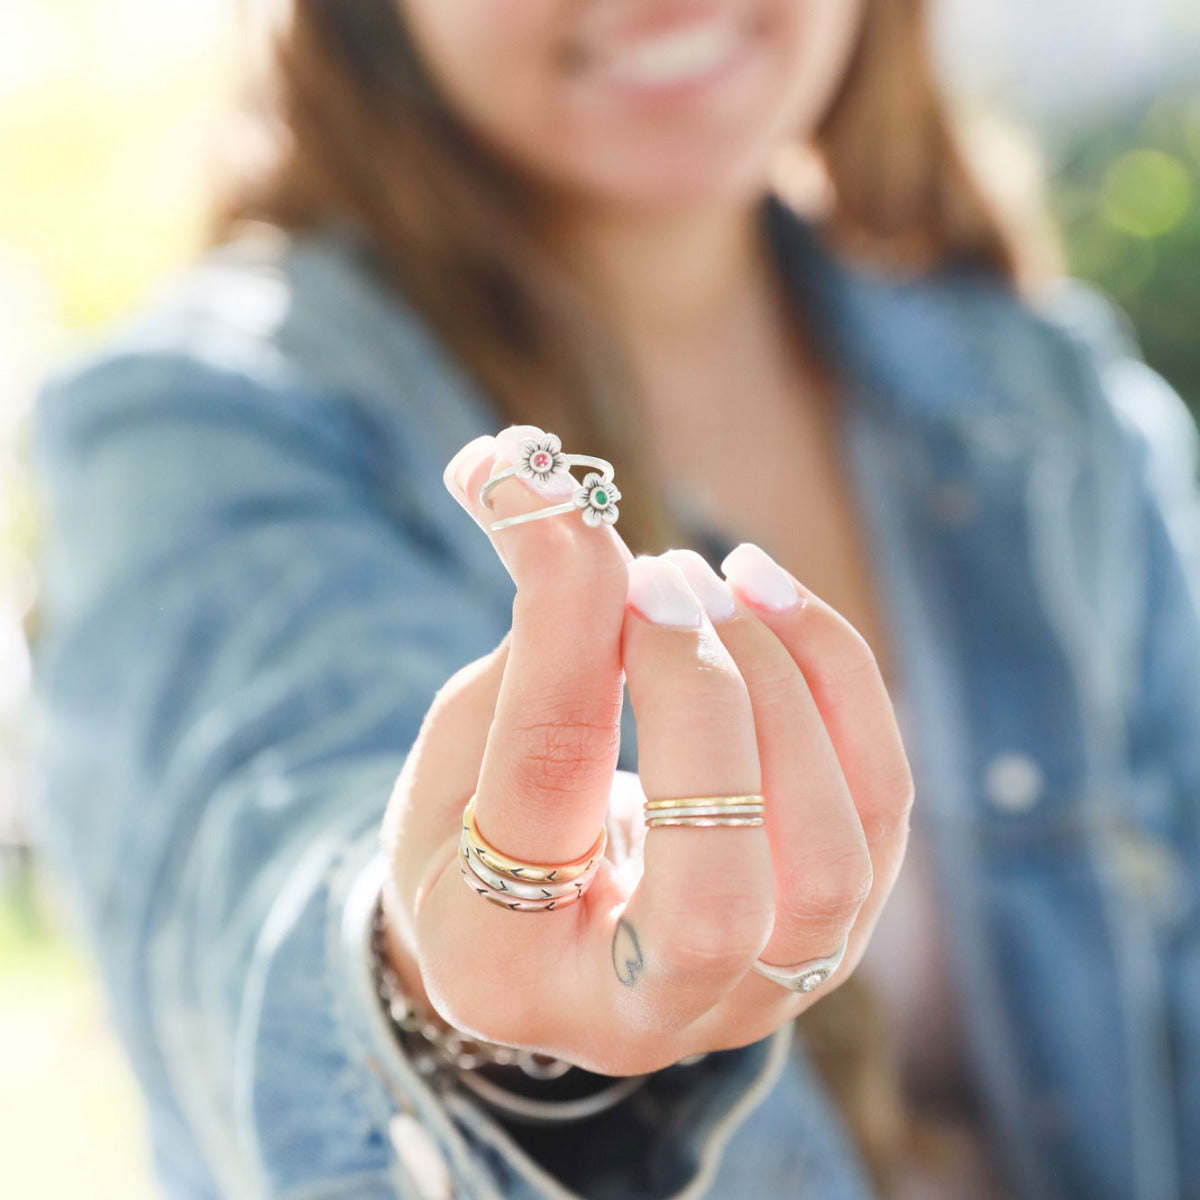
[(666, 278)]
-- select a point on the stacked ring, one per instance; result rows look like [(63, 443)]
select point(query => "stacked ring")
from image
[(705, 810), (523, 886), (541, 461)]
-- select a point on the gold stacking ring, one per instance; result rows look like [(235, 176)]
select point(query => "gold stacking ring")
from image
[(705, 810), (523, 886)]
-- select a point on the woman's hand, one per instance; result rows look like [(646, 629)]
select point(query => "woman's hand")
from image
[(654, 963)]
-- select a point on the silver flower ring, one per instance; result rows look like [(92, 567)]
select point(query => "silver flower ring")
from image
[(541, 460)]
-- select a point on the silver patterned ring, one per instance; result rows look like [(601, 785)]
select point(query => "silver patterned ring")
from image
[(805, 976), (541, 460)]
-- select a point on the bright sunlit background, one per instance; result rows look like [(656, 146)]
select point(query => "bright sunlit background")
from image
[(104, 128)]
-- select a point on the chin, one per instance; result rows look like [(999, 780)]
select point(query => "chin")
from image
[(665, 176)]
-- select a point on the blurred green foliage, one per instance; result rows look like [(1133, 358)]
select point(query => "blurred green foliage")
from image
[(1127, 195)]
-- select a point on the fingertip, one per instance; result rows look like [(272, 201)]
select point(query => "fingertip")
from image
[(459, 468), (760, 579), (659, 591), (715, 594)]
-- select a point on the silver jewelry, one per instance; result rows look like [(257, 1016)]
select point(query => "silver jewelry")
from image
[(519, 885), (805, 976), (541, 460), (506, 889)]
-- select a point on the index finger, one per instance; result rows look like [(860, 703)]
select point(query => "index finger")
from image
[(551, 753)]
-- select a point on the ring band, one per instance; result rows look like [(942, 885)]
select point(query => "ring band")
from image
[(805, 976), (529, 872), (519, 889), (745, 810), (541, 460), (523, 886), (709, 801)]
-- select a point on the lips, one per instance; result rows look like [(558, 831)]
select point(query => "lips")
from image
[(676, 57), (685, 48)]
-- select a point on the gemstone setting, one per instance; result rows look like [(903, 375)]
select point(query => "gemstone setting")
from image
[(597, 497), (540, 459)]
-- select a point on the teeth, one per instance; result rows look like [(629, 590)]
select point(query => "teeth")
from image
[(675, 57)]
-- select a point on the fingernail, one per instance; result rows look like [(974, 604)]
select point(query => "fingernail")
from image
[(459, 468), (713, 592), (755, 573), (659, 591), (508, 442)]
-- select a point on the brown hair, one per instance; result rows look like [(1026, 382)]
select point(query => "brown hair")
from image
[(353, 126)]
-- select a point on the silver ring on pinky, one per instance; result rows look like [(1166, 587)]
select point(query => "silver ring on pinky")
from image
[(805, 976), (541, 461)]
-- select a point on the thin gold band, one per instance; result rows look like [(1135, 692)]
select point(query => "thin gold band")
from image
[(563, 872), (706, 801), (654, 823)]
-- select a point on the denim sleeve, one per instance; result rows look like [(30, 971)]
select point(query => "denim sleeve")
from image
[(241, 633)]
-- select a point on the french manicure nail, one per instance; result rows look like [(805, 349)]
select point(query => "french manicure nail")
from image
[(659, 591), (753, 571), (713, 592)]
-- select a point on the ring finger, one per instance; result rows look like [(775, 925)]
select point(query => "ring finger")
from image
[(822, 863)]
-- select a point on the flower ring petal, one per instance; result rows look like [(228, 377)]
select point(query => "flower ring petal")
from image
[(591, 516), (610, 514), (540, 459), (580, 496), (591, 479)]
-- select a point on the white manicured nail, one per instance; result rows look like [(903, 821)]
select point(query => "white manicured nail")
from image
[(459, 468), (714, 593), (753, 571), (659, 591)]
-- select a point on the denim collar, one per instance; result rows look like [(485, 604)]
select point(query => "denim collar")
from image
[(879, 328)]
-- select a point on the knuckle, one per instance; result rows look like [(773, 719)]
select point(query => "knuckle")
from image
[(830, 890), (896, 790), (856, 662), (777, 683), (560, 755), (710, 691), (849, 658), (715, 939)]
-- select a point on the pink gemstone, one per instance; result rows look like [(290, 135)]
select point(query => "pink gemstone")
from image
[(541, 459)]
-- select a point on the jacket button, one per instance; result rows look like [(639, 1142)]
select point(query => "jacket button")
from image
[(1013, 782), (419, 1154)]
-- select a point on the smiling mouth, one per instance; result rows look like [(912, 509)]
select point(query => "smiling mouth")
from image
[(680, 56)]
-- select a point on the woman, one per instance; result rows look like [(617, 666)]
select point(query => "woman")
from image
[(265, 615)]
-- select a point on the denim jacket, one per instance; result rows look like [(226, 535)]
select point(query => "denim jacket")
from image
[(254, 582)]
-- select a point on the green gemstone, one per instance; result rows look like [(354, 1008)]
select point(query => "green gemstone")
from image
[(600, 497)]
